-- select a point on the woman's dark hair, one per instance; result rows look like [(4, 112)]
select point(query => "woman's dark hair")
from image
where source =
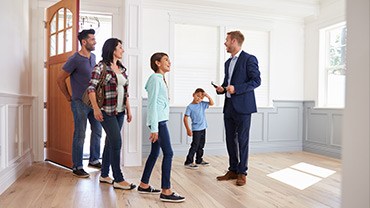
[(156, 57), (108, 49)]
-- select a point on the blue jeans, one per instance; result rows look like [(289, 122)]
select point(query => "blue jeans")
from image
[(112, 149), (82, 112), (164, 143)]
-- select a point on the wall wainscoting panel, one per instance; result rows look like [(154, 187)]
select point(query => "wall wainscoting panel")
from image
[(322, 130), (15, 137), (277, 128)]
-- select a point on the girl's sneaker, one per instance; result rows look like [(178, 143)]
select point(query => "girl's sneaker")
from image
[(174, 197), (149, 190)]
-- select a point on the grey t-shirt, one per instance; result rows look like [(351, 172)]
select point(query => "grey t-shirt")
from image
[(80, 68)]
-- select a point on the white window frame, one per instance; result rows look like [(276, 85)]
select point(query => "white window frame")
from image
[(324, 67)]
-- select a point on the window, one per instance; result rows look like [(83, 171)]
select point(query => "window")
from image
[(257, 44), (196, 62), (332, 66), (199, 59)]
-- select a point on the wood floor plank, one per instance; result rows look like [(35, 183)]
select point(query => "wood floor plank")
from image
[(47, 185)]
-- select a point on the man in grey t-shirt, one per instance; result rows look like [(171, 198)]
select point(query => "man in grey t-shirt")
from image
[(79, 67)]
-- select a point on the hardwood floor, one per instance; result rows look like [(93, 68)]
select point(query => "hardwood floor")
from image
[(47, 185)]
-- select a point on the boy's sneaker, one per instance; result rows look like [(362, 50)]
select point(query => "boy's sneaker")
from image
[(96, 165), (174, 197), (149, 190), (191, 166), (203, 163), (81, 173)]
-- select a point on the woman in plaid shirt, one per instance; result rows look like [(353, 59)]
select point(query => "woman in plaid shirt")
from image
[(111, 114)]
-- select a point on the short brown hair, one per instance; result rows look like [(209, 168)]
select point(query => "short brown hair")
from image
[(237, 35), (84, 34), (199, 90)]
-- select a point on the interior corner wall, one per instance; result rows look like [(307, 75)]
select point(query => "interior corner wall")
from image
[(356, 145), (331, 12)]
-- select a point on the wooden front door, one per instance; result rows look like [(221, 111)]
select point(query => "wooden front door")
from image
[(61, 35)]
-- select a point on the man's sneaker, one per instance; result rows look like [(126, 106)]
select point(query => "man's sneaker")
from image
[(96, 165), (174, 197), (191, 166), (106, 180), (149, 190), (203, 163), (81, 173)]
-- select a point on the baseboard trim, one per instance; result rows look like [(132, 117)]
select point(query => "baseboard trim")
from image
[(11, 173)]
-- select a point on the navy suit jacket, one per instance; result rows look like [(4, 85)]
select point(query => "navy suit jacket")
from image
[(245, 78)]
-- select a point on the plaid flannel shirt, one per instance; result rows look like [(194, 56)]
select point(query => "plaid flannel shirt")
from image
[(110, 101)]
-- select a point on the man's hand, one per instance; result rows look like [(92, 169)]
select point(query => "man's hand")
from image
[(230, 89), (220, 89)]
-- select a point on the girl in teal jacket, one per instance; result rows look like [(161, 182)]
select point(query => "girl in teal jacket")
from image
[(157, 117)]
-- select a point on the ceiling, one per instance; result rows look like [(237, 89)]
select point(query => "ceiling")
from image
[(286, 8)]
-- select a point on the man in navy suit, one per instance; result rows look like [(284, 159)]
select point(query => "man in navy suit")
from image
[(241, 78)]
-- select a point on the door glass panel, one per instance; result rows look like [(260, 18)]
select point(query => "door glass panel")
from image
[(60, 42), (53, 24), (68, 18), (69, 40), (60, 19), (52, 45)]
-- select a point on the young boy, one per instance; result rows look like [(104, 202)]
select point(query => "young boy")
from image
[(196, 111)]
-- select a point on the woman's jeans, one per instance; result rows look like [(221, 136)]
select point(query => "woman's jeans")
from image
[(164, 143), (112, 149), (82, 112)]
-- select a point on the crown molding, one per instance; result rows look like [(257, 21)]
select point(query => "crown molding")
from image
[(283, 9)]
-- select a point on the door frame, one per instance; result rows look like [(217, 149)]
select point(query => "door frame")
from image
[(38, 47)]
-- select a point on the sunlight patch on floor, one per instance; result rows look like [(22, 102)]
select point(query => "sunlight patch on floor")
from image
[(313, 169), (301, 175)]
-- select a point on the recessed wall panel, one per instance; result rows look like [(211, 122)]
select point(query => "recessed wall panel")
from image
[(337, 130), (214, 134), (317, 128), (174, 127), (13, 135), (26, 128), (256, 131), (284, 125)]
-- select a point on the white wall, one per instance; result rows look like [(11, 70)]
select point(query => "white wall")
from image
[(286, 41), (356, 145), (331, 12), (156, 38), (14, 54), (286, 71), (16, 100)]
